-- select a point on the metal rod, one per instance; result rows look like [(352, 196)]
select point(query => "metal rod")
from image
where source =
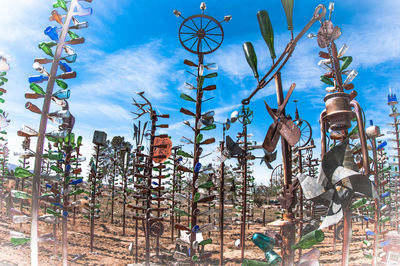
[(221, 200), (65, 202), (113, 187), (376, 203), (196, 155), (300, 200), (244, 191), (94, 184), (288, 237)]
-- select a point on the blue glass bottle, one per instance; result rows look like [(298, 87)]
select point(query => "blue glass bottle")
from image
[(52, 33), (70, 58), (38, 79), (197, 167), (386, 194), (64, 67), (263, 242), (62, 94)]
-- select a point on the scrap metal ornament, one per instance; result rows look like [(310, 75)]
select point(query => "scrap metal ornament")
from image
[(337, 183), (282, 126)]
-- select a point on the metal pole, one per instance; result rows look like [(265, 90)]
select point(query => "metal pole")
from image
[(113, 187), (288, 237), (301, 200), (398, 169), (196, 155), (65, 202), (94, 184), (221, 201), (41, 136), (244, 192), (173, 195), (376, 201)]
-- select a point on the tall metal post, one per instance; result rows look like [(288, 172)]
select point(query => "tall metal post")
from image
[(244, 192), (376, 204), (221, 200), (288, 237), (93, 203)]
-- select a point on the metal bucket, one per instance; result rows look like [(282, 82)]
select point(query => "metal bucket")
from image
[(338, 110)]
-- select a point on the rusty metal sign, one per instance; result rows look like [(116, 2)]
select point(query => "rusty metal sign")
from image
[(162, 150)]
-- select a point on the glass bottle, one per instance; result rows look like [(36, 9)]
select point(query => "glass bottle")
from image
[(247, 262), (358, 203), (180, 212), (36, 88), (62, 94), (46, 49), (208, 184), (309, 240), (81, 11), (266, 31), (20, 194), (56, 16), (80, 25), (64, 67), (61, 4), (21, 219), (33, 108), (73, 35), (52, 33), (69, 58), (263, 242), (272, 258), (37, 79), (20, 172)]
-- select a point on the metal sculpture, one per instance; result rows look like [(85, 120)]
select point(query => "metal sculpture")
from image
[(59, 41), (152, 224), (283, 122), (207, 36)]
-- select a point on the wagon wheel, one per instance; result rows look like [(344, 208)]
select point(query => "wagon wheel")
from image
[(277, 174), (305, 132), (201, 34)]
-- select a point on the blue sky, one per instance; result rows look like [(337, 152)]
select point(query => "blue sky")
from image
[(133, 46)]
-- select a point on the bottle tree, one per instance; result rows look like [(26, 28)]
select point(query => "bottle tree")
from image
[(146, 187), (4, 67), (199, 45), (116, 146), (53, 50), (95, 181)]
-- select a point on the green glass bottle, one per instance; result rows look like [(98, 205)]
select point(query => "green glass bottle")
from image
[(56, 169), (46, 49), (385, 170), (288, 7), (208, 184), (266, 31), (251, 57), (247, 262), (346, 62), (358, 203), (211, 75), (61, 4), (17, 241), (36, 88), (206, 242), (73, 35), (180, 212), (61, 84), (196, 197), (213, 126), (20, 194), (20, 172), (384, 219), (310, 239), (79, 141), (199, 138), (326, 80)]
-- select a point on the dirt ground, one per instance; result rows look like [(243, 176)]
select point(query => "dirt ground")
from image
[(111, 248)]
